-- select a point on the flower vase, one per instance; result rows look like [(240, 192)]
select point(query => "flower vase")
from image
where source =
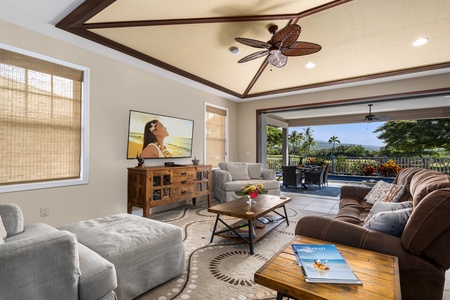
[(250, 200), (252, 195)]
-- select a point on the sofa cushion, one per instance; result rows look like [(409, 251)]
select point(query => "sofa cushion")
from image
[(389, 222), (385, 192), (12, 218), (3, 232), (255, 170), (353, 210), (238, 171), (387, 206), (427, 181)]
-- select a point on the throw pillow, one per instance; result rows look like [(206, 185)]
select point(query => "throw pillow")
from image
[(385, 192), (387, 206), (389, 222), (3, 233), (238, 171), (255, 170)]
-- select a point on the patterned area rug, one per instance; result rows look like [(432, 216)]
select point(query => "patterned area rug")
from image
[(223, 269)]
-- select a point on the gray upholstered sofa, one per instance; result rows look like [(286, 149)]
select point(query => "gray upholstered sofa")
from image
[(38, 261), (114, 257), (232, 176)]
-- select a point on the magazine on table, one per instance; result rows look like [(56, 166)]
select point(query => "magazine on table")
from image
[(323, 264)]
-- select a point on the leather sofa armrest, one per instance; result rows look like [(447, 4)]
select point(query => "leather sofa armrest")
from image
[(40, 267), (348, 191), (268, 174)]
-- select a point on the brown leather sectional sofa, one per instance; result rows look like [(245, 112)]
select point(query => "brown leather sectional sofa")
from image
[(423, 249)]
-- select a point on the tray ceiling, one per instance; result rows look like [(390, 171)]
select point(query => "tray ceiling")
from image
[(361, 39)]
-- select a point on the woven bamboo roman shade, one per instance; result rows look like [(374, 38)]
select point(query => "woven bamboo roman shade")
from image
[(40, 120), (215, 135)]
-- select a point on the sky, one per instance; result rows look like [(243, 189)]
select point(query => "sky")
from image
[(359, 134)]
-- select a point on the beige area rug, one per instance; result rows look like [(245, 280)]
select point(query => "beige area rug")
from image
[(223, 269)]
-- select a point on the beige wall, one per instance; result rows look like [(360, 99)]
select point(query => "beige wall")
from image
[(115, 88)]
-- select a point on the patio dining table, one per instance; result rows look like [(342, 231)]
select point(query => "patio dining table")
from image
[(302, 170)]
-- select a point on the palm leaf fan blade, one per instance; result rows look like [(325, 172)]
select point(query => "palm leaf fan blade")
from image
[(252, 43), (286, 36), (301, 48), (253, 56)]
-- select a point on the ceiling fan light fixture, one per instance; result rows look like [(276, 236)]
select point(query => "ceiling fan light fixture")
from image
[(277, 59), (420, 42)]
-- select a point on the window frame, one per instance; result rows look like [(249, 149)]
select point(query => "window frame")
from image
[(84, 157)]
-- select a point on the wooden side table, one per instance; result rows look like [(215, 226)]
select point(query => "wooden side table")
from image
[(378, 272)]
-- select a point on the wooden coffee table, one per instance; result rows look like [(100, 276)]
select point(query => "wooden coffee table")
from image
[(249, 214), (378, 272)]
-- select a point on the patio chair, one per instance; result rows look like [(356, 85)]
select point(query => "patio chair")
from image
[(325, 175), (291, 177), (315, 176)]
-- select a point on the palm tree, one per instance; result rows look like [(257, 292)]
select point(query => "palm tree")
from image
[(308, 140), (333, 140), (295, 139)]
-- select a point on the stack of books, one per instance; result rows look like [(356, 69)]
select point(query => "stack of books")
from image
[(243, 231), (323, 264)]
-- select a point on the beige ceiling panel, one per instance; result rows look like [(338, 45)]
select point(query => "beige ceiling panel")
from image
[(359, 41), (135, 10), (200, 50)]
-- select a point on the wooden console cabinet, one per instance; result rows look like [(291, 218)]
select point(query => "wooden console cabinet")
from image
[(155, 186)]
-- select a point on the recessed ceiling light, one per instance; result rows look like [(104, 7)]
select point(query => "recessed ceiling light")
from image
[(420, 41), (310, 65), (234, 50)]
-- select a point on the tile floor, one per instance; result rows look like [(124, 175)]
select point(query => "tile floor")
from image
[(331, 205)]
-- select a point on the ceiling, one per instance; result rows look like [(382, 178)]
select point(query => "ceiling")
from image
[(363, 41), (360, 39)]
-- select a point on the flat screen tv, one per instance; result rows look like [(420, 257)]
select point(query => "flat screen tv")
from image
[(157, 136)]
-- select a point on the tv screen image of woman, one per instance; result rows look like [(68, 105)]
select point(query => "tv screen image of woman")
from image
[(159, 136)]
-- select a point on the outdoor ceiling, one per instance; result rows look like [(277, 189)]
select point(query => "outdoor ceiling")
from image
[(361, 39)]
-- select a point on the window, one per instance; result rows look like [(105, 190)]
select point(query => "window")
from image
[(216, 124), (43, 121)]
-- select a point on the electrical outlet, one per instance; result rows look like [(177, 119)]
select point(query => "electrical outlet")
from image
[(45, 211)]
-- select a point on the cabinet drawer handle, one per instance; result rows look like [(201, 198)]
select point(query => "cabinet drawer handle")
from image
[(183, 181), (183, 192), (184, 173)]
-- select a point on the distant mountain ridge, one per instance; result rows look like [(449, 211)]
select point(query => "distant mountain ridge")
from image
[(325, 145)]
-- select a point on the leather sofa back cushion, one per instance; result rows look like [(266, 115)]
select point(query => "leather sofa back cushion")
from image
[(426, 181)]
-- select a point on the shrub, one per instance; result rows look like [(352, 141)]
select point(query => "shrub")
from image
[(389, 169)]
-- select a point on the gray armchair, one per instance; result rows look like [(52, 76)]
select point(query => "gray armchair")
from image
[(38, 261)]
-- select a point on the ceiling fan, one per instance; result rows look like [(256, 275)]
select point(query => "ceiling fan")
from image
[(282, 44), (370, 117)]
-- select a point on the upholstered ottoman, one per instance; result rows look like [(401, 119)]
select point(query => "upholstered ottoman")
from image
[(145, 252)]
